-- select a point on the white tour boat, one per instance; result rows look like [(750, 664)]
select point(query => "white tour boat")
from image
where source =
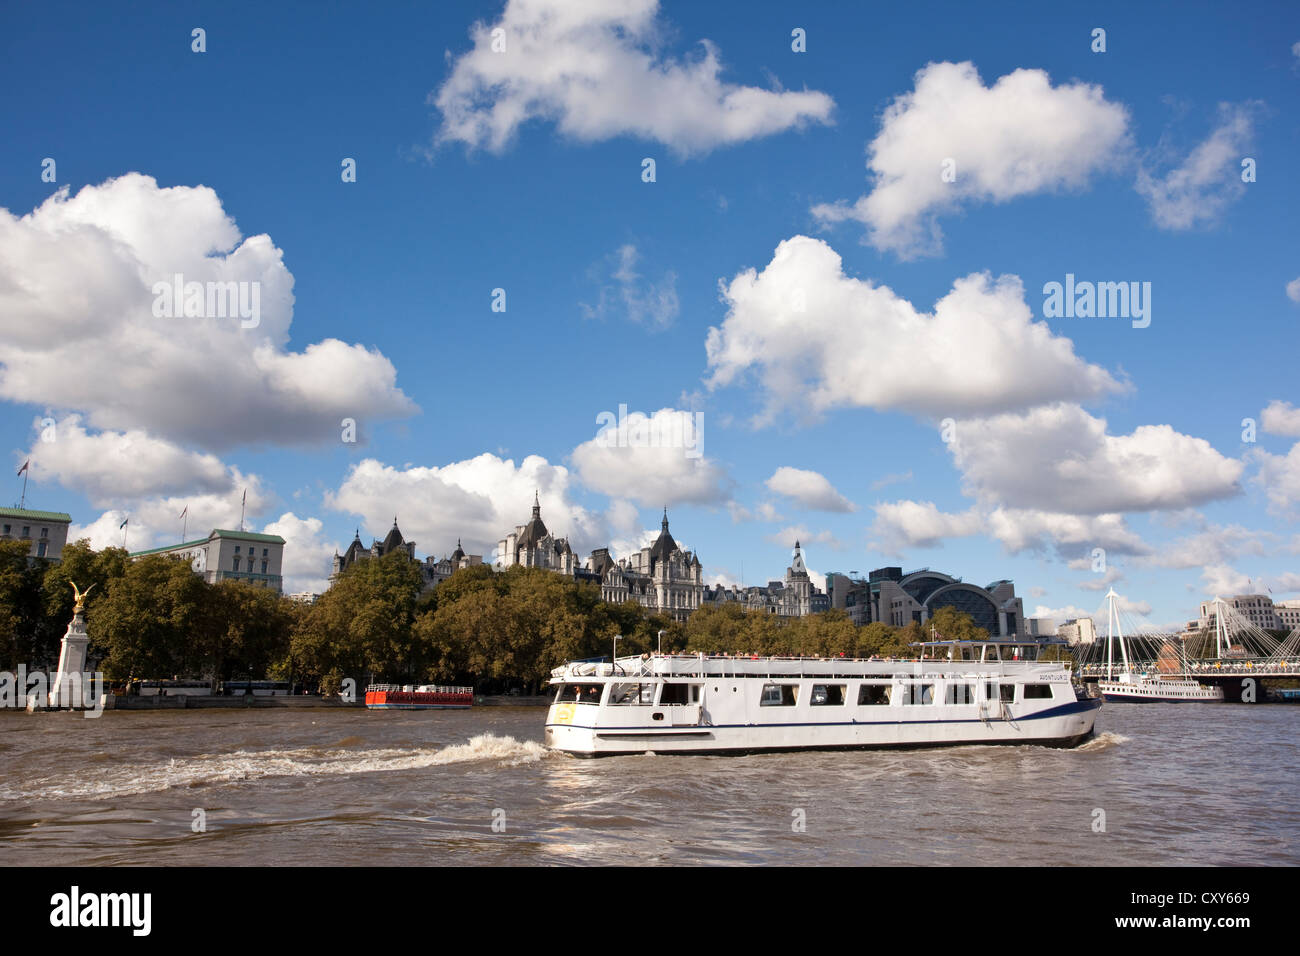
[(1136, 688), (957, 692)]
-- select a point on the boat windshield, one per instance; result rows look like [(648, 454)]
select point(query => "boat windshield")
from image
[(578, 694)]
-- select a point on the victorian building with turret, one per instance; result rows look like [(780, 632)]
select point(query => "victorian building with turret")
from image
[(796, 596)]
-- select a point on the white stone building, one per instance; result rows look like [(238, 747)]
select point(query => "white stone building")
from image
[(535, 547), (1256, 608), (661, 577), (1081, 630), (796, 596), (232, 555)]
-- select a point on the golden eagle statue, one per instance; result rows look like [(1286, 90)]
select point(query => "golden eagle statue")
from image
[(80, 597)]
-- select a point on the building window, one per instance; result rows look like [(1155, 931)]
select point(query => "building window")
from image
[(40, 550), (236, 563), (27, 531), (264, 552), (263, 567), (45, 532), (236, 549)]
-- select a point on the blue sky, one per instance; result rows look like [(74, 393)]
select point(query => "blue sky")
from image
[(1121, 165)]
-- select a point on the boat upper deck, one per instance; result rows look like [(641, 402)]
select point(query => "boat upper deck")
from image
[(934, 657)]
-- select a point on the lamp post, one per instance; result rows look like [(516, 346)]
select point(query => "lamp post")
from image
[(661, 643), (613, 662)]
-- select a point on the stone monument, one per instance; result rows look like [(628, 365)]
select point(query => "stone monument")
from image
[(67, 689)]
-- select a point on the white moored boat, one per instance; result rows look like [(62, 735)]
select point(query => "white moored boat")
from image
[(1135, 688), (957, 692)]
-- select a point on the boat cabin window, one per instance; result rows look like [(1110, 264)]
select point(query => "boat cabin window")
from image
[(966, 653), (990, 652), (918, 694), (632, 694), (578, 694), (779, 695), (1007, 693), (961, 694), (874, 694), (1038, 692), (827, 695), (680, 694)]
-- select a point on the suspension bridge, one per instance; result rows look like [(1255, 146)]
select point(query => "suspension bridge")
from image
[(1234, 653)]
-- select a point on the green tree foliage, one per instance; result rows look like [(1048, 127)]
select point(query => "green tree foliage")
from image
[(363, 626), (153, 622), (24, 634), (82, 564)]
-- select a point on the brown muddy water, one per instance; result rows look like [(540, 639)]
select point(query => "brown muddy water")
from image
[(1178, 784)]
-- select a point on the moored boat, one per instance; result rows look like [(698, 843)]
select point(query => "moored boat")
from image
[(421, 697), (955, 692), (1142, 688)]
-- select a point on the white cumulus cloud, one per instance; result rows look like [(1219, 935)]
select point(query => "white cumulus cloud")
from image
[(1017, 137), (1060, 458), (478, 500), (597, 71), (654, 460), (979, 351), (79, 333), (810, 489)]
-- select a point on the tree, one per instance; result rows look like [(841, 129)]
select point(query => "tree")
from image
[(153, 622), (22, 636)]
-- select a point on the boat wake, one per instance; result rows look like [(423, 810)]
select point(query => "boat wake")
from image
[(206, 770), (1103, 741)]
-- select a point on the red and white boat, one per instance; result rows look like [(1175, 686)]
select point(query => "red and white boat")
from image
[(418, 697)]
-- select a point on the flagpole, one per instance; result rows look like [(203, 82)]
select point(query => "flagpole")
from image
[(242, 502), (23, 503), (125, 529), (185, 522)]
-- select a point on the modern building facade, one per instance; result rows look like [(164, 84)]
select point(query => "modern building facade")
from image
[(1256, 608), (224, 555), (1288, 612), (897, 599), (1081, 630), (46, 532)]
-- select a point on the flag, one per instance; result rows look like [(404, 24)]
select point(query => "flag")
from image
[(24, 467), (185, 512), (244, 500), (123, 524)]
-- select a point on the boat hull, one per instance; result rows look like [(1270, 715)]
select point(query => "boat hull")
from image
[(416, 700), (1067, 725), (1153, 693)]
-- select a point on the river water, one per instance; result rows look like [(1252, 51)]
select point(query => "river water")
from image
[(1178, 784)]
